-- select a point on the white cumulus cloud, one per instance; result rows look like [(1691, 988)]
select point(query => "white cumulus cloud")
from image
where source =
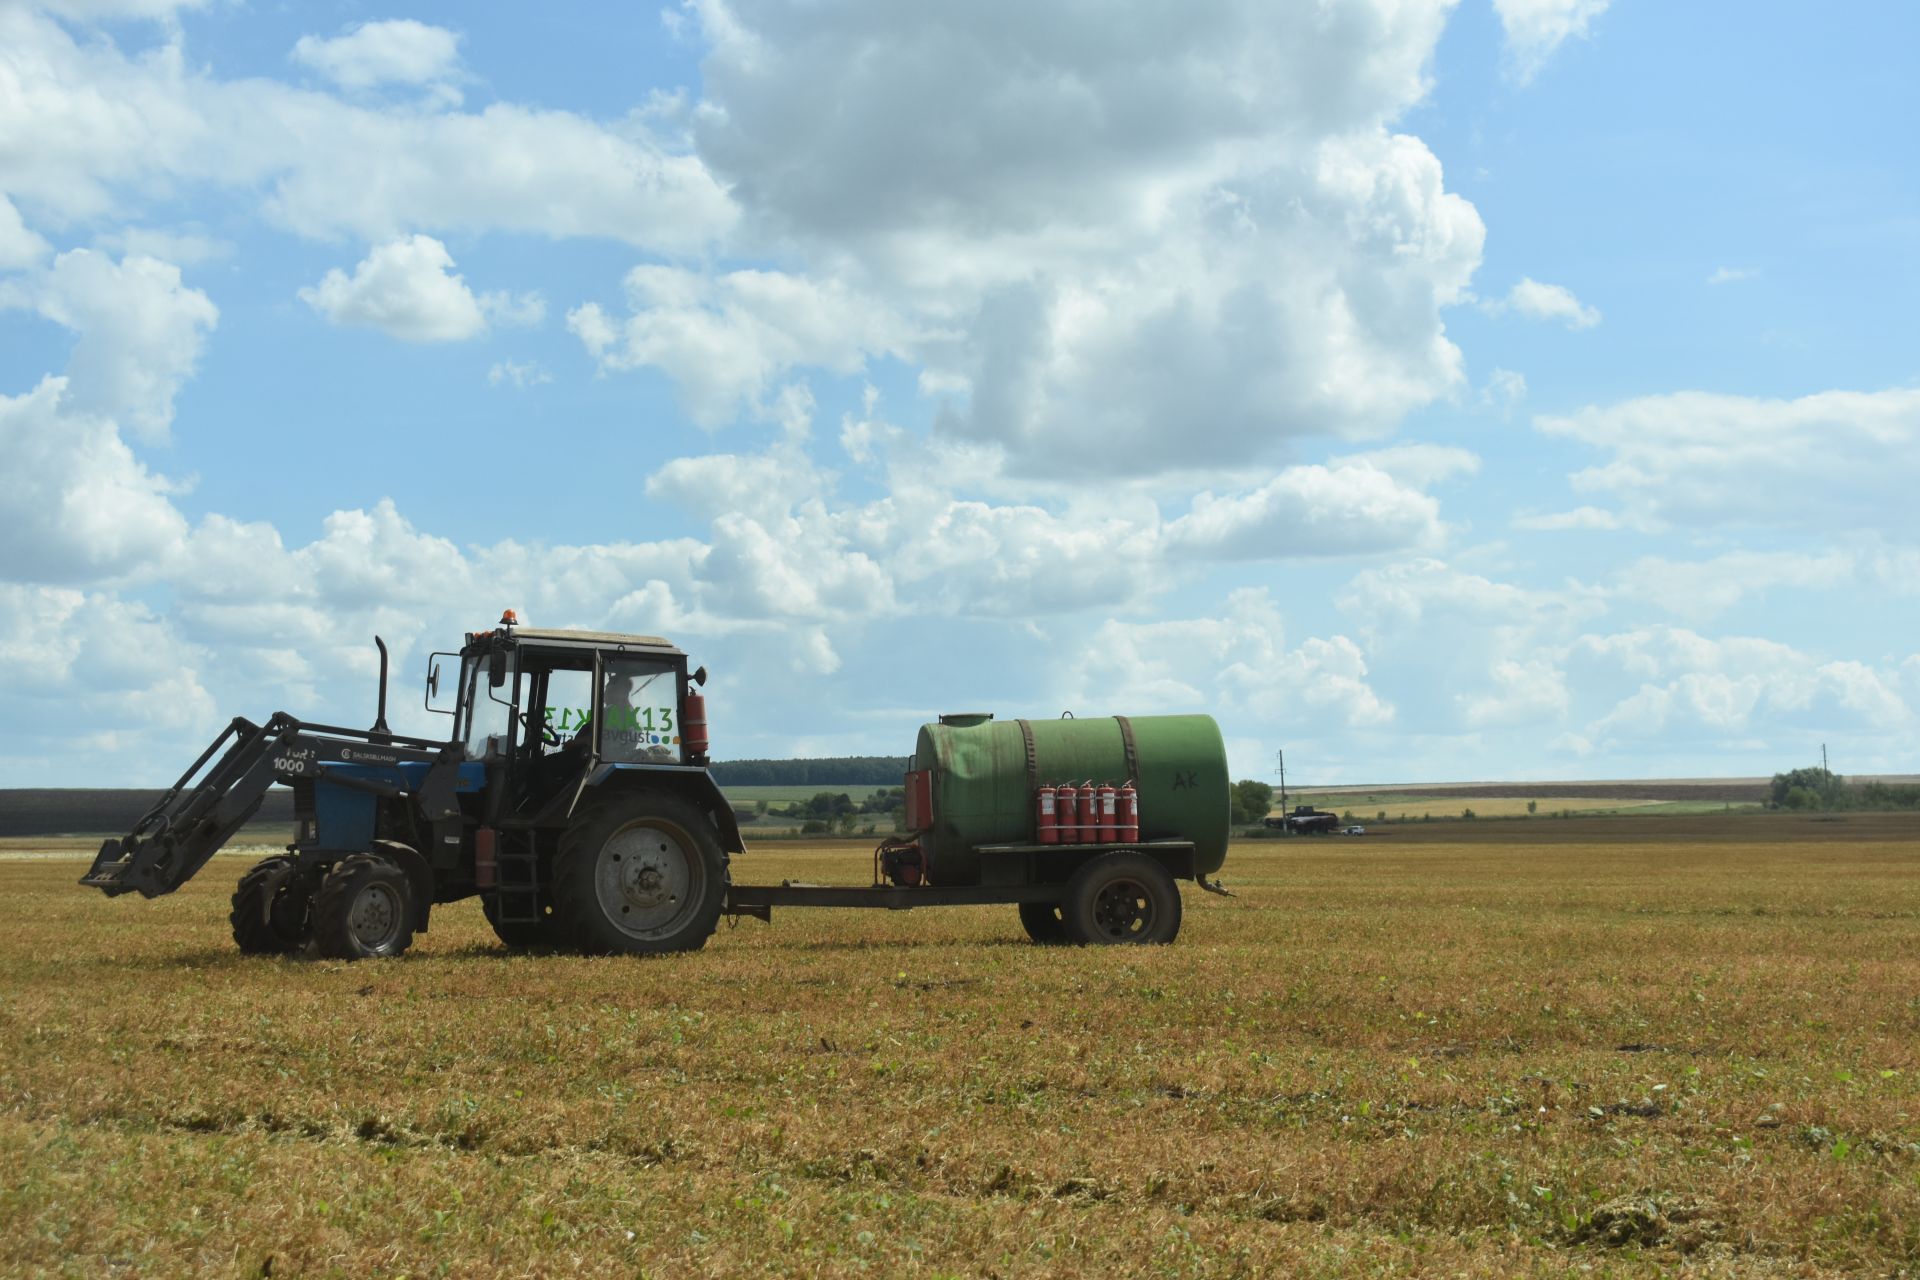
[(1535, 28), (728, 340), (186, 248), (141, 331), (518, 373), (1239, 659), (1165, 249), (77, 506), (102, 678), (1539, 301), (92, 128), (397, 51), (1578, 518), (1519, 692), (1416, 464), (1505, 389), (408, 289), (1832, 460), (1699, 590), (19, 246), (1310, 511), (1685, 685)]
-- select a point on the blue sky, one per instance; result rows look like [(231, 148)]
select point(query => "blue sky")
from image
[(1502, 389)]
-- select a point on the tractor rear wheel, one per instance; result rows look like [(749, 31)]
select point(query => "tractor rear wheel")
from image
[(639, 874), (1043, 923), (546, 932), (1121, 898), (271, 908), (364, 909)]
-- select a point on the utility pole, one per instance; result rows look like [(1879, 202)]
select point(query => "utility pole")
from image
[(1823, 759), (1280, 762)]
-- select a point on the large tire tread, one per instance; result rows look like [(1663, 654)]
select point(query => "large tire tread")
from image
[(258, 932), (1043, 923), (546, 934), (576, 907), (332, 935), (1080, 907)]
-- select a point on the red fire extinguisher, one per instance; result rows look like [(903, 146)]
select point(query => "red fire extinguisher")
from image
[(1109, 829), (693, 727), (1066, 812), (1129, 815), (1045, 829)]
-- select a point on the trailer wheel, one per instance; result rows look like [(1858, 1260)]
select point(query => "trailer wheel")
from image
[(271, 908), (364, 909), (1121, 898), (518, 934), (639, 874), (1043, 923)]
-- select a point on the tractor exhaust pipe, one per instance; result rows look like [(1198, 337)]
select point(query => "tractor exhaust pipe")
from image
[(380, 715)]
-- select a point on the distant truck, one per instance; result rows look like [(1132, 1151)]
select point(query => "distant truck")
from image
[(1305, 820)]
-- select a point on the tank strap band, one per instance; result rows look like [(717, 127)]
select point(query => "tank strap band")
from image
[(1033, 759), (1133, 752)]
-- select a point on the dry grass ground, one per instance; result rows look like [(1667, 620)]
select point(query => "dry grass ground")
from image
[(1425, 1058)]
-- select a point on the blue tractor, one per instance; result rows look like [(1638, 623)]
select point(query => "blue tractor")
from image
[(572, 798)]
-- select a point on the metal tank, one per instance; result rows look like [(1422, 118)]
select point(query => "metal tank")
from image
[(982, 774)]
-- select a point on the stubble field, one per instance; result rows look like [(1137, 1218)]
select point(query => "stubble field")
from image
[(1613, 1055)]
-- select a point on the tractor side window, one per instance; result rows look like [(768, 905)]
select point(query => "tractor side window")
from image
[(569, 707), (489, 714), (641, 703)]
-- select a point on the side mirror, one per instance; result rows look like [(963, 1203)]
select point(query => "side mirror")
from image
[(700, 676), (496, 668), (433, 684)]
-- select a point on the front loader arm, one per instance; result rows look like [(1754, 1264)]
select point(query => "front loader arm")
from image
[(190, 823), (195, 818)]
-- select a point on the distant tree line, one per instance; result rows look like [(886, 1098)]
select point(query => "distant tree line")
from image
[(837, 811), (1821, 791), (865, 771)]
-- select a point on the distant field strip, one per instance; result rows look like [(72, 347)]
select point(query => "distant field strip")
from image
[(1452, 805), (1735, 790)]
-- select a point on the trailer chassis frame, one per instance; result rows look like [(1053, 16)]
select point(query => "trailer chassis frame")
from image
[(758, 900)]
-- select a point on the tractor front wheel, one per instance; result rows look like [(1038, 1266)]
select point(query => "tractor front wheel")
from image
[(1121, 898), (639, 874), (272, 908), (364, 909)]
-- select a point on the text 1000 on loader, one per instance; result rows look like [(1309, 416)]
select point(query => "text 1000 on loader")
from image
[(573, 799)]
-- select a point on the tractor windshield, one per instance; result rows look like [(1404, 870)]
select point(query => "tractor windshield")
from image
[(640, 704), (489, 710)]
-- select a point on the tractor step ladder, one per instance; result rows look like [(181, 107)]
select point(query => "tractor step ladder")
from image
[(520, 893)]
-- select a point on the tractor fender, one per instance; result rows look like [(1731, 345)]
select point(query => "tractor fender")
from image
[(419, 877), (694, 785)]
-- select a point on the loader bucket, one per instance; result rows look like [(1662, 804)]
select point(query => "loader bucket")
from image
[(108, 870)]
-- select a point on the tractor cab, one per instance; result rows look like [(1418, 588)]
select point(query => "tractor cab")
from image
[(552, 713)]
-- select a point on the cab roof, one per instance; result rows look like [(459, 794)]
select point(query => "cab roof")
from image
[(586, 639)]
